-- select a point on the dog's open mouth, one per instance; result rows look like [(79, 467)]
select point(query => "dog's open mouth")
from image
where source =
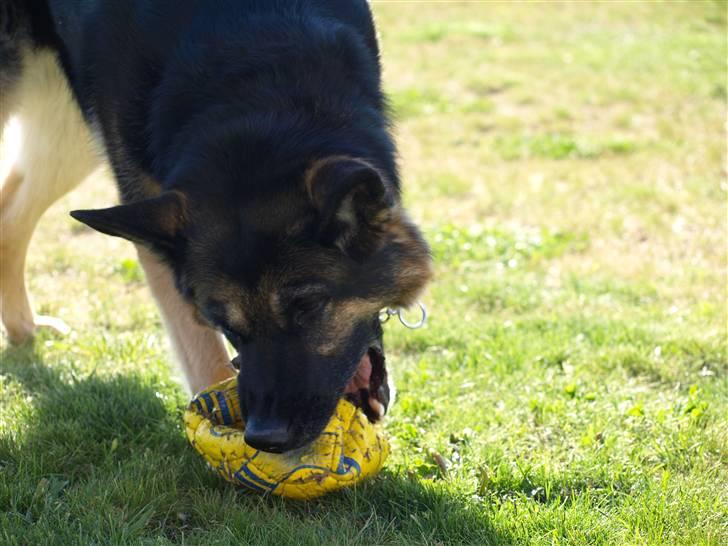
[(368, 388)]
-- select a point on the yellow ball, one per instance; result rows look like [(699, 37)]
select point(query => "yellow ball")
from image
[(349, 449)]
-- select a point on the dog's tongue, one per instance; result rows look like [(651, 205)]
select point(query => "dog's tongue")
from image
[(362, 376), (362, 380)]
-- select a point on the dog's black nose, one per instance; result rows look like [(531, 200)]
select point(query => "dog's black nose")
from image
[(269, 435)]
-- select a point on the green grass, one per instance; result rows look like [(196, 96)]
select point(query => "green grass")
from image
[(568, 165)]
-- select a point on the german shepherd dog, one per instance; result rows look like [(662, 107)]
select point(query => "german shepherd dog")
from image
[(252, 150)]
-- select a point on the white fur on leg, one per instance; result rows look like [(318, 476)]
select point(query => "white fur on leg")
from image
[(200, 350), (49, 155)]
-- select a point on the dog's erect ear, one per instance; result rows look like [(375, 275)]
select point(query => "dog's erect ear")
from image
[(155, 223), (354, 203)]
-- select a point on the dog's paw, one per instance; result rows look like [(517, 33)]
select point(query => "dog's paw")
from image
[(23, 331), (52, 323)]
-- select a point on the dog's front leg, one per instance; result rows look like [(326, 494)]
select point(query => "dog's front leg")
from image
[(199, 349)]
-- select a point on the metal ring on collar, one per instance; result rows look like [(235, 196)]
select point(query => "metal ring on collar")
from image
[(385, 314)]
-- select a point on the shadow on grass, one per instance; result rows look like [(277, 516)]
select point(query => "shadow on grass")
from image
[(76, 419), (109, 458)]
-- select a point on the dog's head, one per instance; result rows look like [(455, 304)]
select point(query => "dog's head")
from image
[(295, 280)]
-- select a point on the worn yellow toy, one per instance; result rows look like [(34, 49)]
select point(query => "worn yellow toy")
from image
[(348, 450)]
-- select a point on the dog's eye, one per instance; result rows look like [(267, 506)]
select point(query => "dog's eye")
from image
[(304, 308)]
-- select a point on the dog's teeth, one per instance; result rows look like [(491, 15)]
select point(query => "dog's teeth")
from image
[(377, 406)]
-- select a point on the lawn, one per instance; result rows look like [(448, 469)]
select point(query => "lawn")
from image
[(568, 164)]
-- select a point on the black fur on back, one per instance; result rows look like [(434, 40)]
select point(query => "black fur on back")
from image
[(226, 97)]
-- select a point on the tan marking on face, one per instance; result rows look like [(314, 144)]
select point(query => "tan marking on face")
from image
[(343, 316), (235, 301), (266, 301), (274, 300), (236, 317), (414, 269)]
